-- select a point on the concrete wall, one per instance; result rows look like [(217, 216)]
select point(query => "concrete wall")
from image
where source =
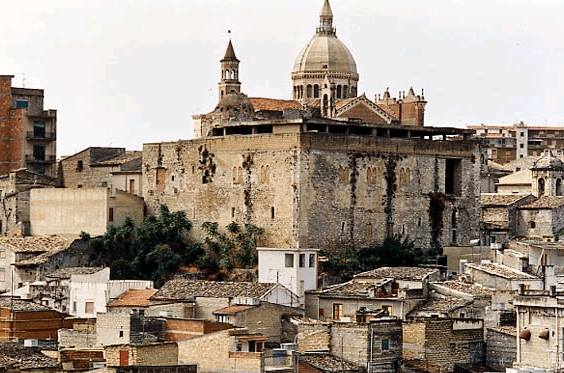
[(72, 211), (318, 183)]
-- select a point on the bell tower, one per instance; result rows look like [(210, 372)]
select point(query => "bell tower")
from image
[(229, 82)]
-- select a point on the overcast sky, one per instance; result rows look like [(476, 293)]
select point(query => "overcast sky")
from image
[(124, 73)]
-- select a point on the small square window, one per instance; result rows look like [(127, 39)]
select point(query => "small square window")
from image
[(289, 258), (22, 104)]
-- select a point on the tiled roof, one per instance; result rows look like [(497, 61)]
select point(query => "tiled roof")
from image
[(133, 298), (495, 199), (328, 363), (36, 244), (183, 289), (502, 271), (439, 306), (274, 104), (463, 287), (120, 158), (41, 258), (231, 310), (19, 305), (358, 289), (343, 102), (398, 273), (510, 330), (545, 202), (24, 359), (66, 273)]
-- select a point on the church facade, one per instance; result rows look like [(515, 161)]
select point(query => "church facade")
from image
[(327, 169)]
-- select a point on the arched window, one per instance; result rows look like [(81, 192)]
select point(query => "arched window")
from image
[(301, 91), (226, 74), (316, 91), (541, 186), (339, 90), (558, 187), (345, 91), (309, 91), (326, 105)]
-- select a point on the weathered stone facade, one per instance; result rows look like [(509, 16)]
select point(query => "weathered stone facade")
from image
[(444, 341), (148, 354), (356, 189), (501, 348)]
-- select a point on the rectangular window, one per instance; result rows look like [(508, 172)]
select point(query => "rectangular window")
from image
[(302, 260), (2, 254), (132, 186), (89, 308), (337, 311), (222, 318), (111, 214), (521, 146), (311, 260), (289, 260), (22, 104), (39, 129), (385, 345), (79, 166), (39, 152), (452, 176), (2, 275)]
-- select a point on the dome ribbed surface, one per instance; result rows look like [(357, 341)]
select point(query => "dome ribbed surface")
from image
[(325, 52)]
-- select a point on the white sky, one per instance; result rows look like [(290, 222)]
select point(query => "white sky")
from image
[(124, 73)]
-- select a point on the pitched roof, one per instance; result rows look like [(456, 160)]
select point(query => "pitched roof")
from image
[(502, 271), (495, 199), (120, 158), (20, 305), (545, 202), (133, 298), (434, 306), (523, 177), (328, 363), (273, 104), (398, 273), (231, 310), (463, 287), (183, 289), (35, 244), (66, 273)]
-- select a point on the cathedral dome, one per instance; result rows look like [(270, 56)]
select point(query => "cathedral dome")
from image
[(548, 161), (325, 53)]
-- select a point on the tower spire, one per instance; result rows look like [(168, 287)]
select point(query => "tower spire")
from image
[(229, 82), (326, 19)]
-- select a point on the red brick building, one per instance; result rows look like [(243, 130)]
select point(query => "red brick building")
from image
[(28, 133)]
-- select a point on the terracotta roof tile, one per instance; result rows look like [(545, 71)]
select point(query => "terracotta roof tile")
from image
[(183, 289), (398, 273), (328, 363), (545, 202), (261, 103), (66, 273), (494, 199), (231, 310), (36, 244), (20, 305), (343, 102), (133, 298)]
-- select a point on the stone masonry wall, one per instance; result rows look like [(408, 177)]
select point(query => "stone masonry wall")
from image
[(501, 350), (313, 336), (355, 189), (158, 354)]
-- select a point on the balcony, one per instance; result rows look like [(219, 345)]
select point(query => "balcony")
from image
[(29, 158), (38, 136)]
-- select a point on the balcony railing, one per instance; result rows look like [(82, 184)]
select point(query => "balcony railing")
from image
[(47, 136), (29, 158)]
